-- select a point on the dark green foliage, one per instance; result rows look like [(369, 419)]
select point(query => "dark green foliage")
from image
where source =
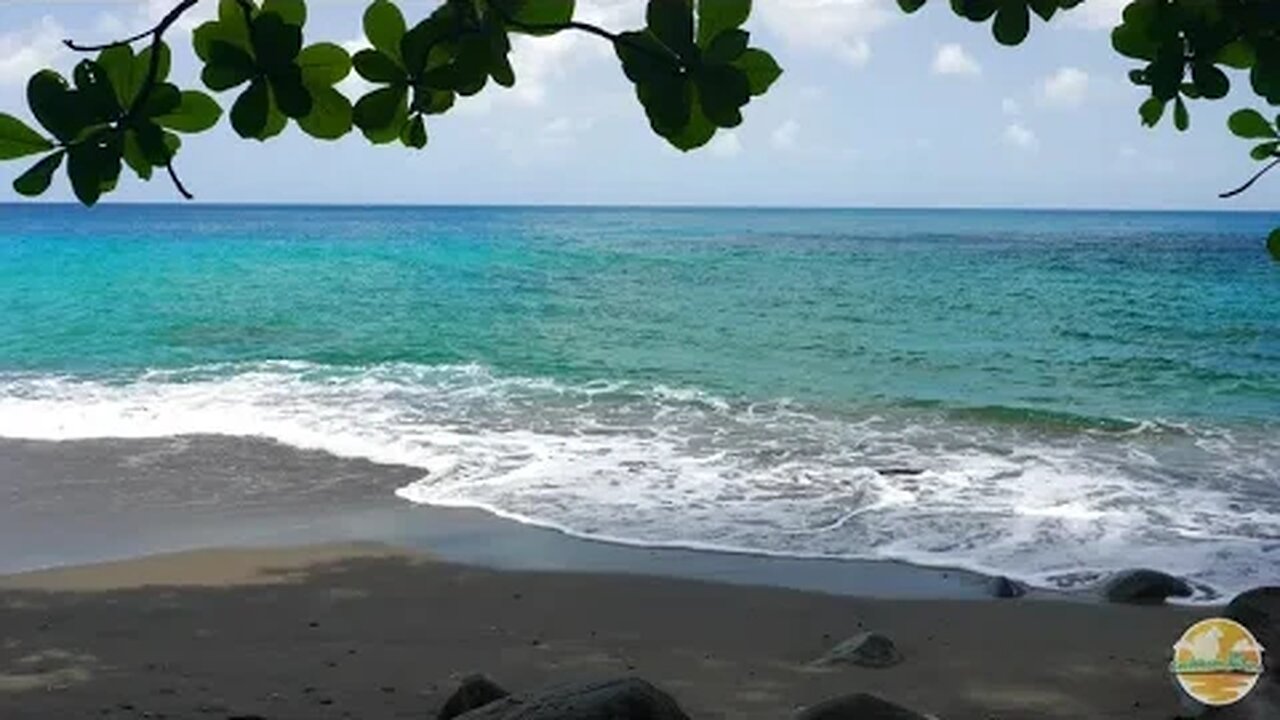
[(692, 65), (116, 113), (262, 48), (1273, 244), (694, 77)]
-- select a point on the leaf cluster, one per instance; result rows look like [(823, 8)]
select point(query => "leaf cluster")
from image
[(120, 110), (695, 71), (1010, 19)]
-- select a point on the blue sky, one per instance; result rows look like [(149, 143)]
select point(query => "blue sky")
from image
[(875, 109)]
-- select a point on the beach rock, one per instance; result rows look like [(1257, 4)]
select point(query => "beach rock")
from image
[(1144, 587), (867, 649), (1259, 610), (618, 699), (858, 707), (1003, 587), (475, 691)]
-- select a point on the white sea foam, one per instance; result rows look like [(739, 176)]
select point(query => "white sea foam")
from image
[(678, 466)]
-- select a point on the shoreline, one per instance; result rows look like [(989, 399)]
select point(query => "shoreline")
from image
[(277, 495), (369, 630)]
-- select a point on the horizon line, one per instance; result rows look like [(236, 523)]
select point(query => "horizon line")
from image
[(629, 206)]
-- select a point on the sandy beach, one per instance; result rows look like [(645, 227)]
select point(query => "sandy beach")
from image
[(368, 631)]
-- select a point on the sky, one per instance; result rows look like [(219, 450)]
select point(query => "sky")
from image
[(875, 109)]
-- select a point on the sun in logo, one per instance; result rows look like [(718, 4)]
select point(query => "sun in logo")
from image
[(1217, 661)]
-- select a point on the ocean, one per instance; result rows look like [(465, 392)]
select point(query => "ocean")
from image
[(1047, 395)]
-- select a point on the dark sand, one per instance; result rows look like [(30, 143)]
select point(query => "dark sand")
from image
[(364, 631)]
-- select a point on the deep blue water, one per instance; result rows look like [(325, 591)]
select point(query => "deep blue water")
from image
[(1071, 391)]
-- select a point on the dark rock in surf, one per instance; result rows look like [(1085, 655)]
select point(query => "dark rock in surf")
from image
[(618, 699), (1259, 610), (858, 707), (868, 649), (1003, 587), (900, 471), (1144, 587), (474, 692)]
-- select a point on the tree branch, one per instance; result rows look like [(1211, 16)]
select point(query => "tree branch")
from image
[(1257, 176), (156, 34), (590, 29), (165, 23), (177, 182)]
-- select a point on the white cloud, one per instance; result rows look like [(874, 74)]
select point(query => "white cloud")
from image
[(784, 136), (25, 51), (1065, 88), (1009, 106), (1020, 137), (725, 145), (1098, 14), (952, 59), (838, 27)]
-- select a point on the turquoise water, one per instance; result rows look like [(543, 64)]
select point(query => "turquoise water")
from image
[(1047, 394)]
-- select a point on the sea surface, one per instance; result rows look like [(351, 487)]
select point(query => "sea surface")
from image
[(1048, 395)]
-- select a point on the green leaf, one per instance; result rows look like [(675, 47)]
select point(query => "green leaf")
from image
[(1013, 22), (1238, 55), (1264, 151), (910, 6), (377, 67), (722, 91), (117, 62), (249, 114), (384, 26), (135, 158), (1181, 119), (330, 117), (151, 143), (276, 120), (432, 102), (275, 43), (667, 104), (698, 131), (1044, 8), (55, 106), (1250, 124), (94, 92), (293, 12), (1151, 111), (324, 64), (17, 139), (1273, 244), (90, 167), (228, 67), (212, 32), (162, 100), (671, 22), (290, 94), (142, 64), (1210, 81), (381, 113), (529, 14), (717, 16), (235, 26), (643, 57), (727, 47), (760, 68), (196, 112), (38, 177), (414, 133)]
